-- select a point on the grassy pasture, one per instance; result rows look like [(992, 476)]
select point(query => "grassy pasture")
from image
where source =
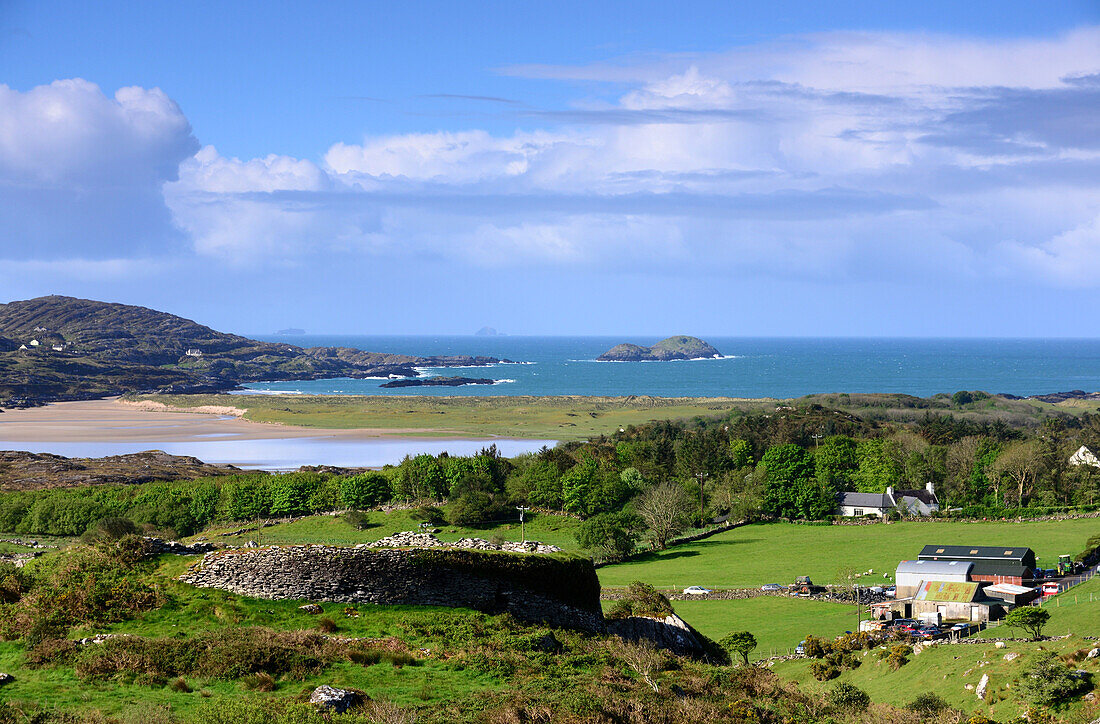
[(778, 552), (557, 418), (777, 622)]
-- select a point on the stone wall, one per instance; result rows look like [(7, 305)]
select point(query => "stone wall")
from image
[(561, 591)]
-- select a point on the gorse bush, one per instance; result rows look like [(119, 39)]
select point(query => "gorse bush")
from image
[(641, 599)]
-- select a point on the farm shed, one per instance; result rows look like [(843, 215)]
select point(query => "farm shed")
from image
[(992, 564), (1016, 595), (911, 574), (952, 600)]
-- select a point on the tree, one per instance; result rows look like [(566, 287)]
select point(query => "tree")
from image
[(666, 509), (645, 658), (835, 460), (365, 490), (1020, 463), (879, 467), (741, 643), (1030, 618), (786, 467), (612, 536)]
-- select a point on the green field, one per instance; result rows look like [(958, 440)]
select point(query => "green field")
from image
[(557, 418), (777, 622), (778, 552)]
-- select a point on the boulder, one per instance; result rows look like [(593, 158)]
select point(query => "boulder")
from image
[(549, 644), (311, 608), (6, 679), (1010, 656), (336, 700), (671, 632), (982, 686), (1094, 653)]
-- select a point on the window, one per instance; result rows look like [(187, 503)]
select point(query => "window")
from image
[(858, 511)]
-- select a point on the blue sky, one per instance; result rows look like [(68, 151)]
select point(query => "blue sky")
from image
[(565, 168)]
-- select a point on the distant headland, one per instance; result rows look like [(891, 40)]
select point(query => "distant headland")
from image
[(673, 348)]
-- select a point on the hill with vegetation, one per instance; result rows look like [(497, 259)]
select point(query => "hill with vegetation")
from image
[(673, 348), (89, 349)]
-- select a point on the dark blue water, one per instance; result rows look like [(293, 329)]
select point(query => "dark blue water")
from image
[(753, 367)]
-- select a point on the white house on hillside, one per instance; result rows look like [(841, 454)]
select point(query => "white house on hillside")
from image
[(916, 502)]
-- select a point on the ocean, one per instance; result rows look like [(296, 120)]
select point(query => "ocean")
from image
[(750, 367)]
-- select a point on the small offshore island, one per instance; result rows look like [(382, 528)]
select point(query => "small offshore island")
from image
[(440, 382), (679, 347)]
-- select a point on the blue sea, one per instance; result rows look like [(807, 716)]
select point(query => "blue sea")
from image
[(750, 367)]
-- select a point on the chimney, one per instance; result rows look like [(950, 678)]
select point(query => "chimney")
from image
[(930, 487), (890, 491)]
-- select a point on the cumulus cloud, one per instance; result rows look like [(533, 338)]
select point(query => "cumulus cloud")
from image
[(82, 171)]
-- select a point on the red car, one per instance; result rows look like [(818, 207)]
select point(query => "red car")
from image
[(1051, 588)]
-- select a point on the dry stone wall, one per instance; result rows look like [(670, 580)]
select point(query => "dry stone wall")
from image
[(561, 591)]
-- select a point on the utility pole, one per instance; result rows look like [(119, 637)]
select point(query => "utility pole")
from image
[(702, 476), (522, 530)]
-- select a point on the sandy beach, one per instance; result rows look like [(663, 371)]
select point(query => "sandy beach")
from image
[(112, 420)]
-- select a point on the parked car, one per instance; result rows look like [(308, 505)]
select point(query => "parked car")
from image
[(891, 591), (1051, 588), (877, 589), (801, 648), (773, 587), (927, 632), (696, 590), (961, 626)]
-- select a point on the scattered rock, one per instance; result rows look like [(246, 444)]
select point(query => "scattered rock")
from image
[(6, 679), (969, 687), (409, 539), (251, 544), (982, 686), (550, 644), (311, 608), (1094, 653), (671, 632), (333, 699), (1011, 656)]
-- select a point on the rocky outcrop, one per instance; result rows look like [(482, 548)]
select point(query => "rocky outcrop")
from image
[(32, 471), (339, 701), (672, 348), (439, 382), (671, 632), (560, 591)]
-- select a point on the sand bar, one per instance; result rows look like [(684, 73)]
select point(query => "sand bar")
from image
[(112, 420)]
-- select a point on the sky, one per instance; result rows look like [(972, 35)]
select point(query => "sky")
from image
[(752, 168)]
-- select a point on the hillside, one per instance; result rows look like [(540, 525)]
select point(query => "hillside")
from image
[(673, 348), (90, 349)]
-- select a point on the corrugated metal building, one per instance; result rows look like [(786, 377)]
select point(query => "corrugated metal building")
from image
[(910, 574)]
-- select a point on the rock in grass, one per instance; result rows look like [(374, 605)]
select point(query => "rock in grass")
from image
[(6, 679), (311, 608), (336, 700)]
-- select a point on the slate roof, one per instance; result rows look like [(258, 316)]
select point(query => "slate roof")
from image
[(866, 500), (922, 495), (1020, 555), (931, 569)]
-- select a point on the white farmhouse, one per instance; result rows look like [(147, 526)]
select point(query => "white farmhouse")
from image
[(916, 502)]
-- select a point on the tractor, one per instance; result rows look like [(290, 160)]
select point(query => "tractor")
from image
[(1066, 566)]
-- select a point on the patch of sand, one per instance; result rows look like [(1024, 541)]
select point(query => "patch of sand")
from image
[(113, 420), (154, 406)]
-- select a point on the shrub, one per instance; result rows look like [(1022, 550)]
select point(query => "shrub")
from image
[(259, 682), (823, 670), (1047, 681), (927, 704), (180, 685), (357, 519), (816, 648), (111, 529), (848, 697), (327, 625), (641, 599), (611, 536), (428, 514)]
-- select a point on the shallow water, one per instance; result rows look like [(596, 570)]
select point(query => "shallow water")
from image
[(285, 454)]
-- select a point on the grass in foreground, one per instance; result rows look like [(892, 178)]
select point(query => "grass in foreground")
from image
[(777, 622), (778, 552), (557, 418), (945, 671)]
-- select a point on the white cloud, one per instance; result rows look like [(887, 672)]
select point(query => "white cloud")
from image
[(1072, 258), (68, 133)]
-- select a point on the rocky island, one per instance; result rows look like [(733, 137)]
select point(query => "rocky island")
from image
[(440, 382), (672, 348)]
